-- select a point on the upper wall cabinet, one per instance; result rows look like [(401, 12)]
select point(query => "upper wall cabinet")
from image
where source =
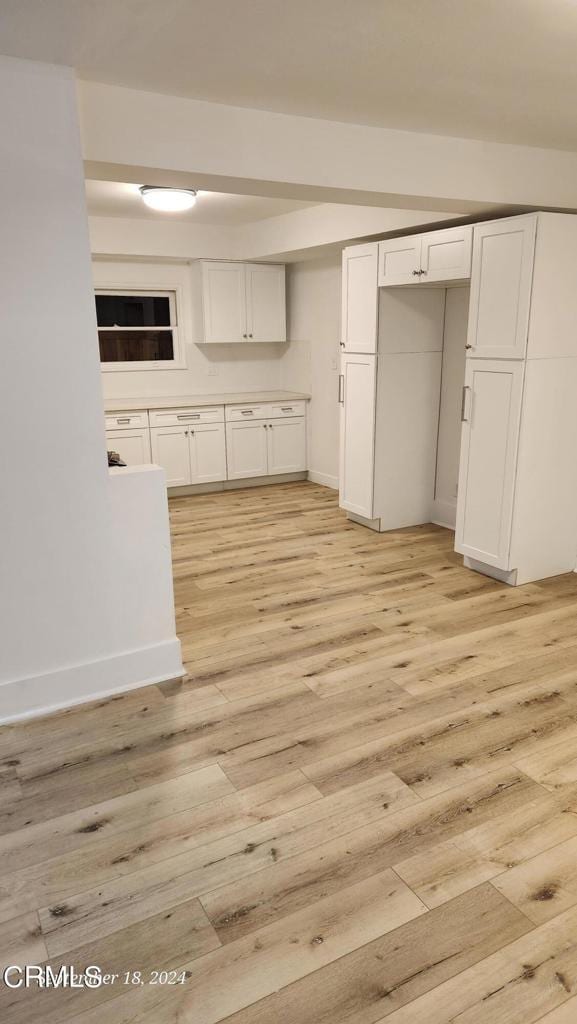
[(501, 277), (360, 298), (426, 259), (446, 255), (265, 302), (399, 261), (238, 302)]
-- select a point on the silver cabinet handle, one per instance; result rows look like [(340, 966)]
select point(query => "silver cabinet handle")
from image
[(341, 389), (286, 408), (463, 403), (247, 412), (188, 415), (123, 419)]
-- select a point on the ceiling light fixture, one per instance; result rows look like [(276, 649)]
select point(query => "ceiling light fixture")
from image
[(169, 200)]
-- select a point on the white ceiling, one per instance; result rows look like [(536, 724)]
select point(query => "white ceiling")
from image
[(118, 199), (489, 69)]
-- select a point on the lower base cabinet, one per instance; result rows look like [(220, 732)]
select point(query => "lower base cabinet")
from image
[(213, 444), (190, 455), (133, 446), (266, 448), (246, 448), (286, 446)]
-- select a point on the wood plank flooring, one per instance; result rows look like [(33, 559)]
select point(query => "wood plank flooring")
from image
[(359, 806)]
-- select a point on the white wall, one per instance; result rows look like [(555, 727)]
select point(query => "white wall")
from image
[(167, 239), (209, 368), (68, 630), (311, 361)]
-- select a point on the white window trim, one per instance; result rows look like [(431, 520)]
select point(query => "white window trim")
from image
[(175, 295)]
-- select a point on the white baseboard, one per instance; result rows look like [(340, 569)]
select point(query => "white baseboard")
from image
[(234, 485), (93, 680), (324, 478), (503, 575), (444, 513)]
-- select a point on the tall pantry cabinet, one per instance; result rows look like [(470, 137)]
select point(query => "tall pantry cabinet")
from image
[(516, 503)]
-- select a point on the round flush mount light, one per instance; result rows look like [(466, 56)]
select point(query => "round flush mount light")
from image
[(169, 200)]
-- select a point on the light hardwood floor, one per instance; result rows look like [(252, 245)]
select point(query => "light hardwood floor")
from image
[(361, 805)]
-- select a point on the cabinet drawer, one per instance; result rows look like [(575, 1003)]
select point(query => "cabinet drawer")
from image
[(126, 420), (237, 413), (280, 409), (180, 417)]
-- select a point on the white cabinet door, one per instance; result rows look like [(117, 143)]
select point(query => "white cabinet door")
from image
[(133, 446), (207, 453), (399, 261), (287, 445), (224, 302), (360, 298), (357, 397), (170, 449), (265, 302), (489, 442), (446, 255), (501, 278), (246, 448)]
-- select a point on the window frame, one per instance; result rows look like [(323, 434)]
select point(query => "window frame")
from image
[(174, 295)]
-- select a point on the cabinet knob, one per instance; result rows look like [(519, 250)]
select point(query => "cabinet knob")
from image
[(422, 271), (265, 425), (468, 346), (416, 273), (342, 344), (244, 335), (250, 335)]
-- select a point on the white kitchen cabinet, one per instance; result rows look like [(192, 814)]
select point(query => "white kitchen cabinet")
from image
[(515, 503), (246, 448), (190, 454), (399, 261), (238, 302), (133, 445), (438, 256), (207, 453), (224, 301), (170, 449), (265, 302), (446, 255), (286, 445), (491, 412), (360, 298), (502, 269), (357, 433)]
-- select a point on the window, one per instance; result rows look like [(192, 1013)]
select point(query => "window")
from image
[(138, 330)]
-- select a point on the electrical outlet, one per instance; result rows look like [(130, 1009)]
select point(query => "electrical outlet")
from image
[(212, 371)]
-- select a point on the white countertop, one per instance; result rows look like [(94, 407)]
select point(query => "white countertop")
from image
[(181, 401)]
